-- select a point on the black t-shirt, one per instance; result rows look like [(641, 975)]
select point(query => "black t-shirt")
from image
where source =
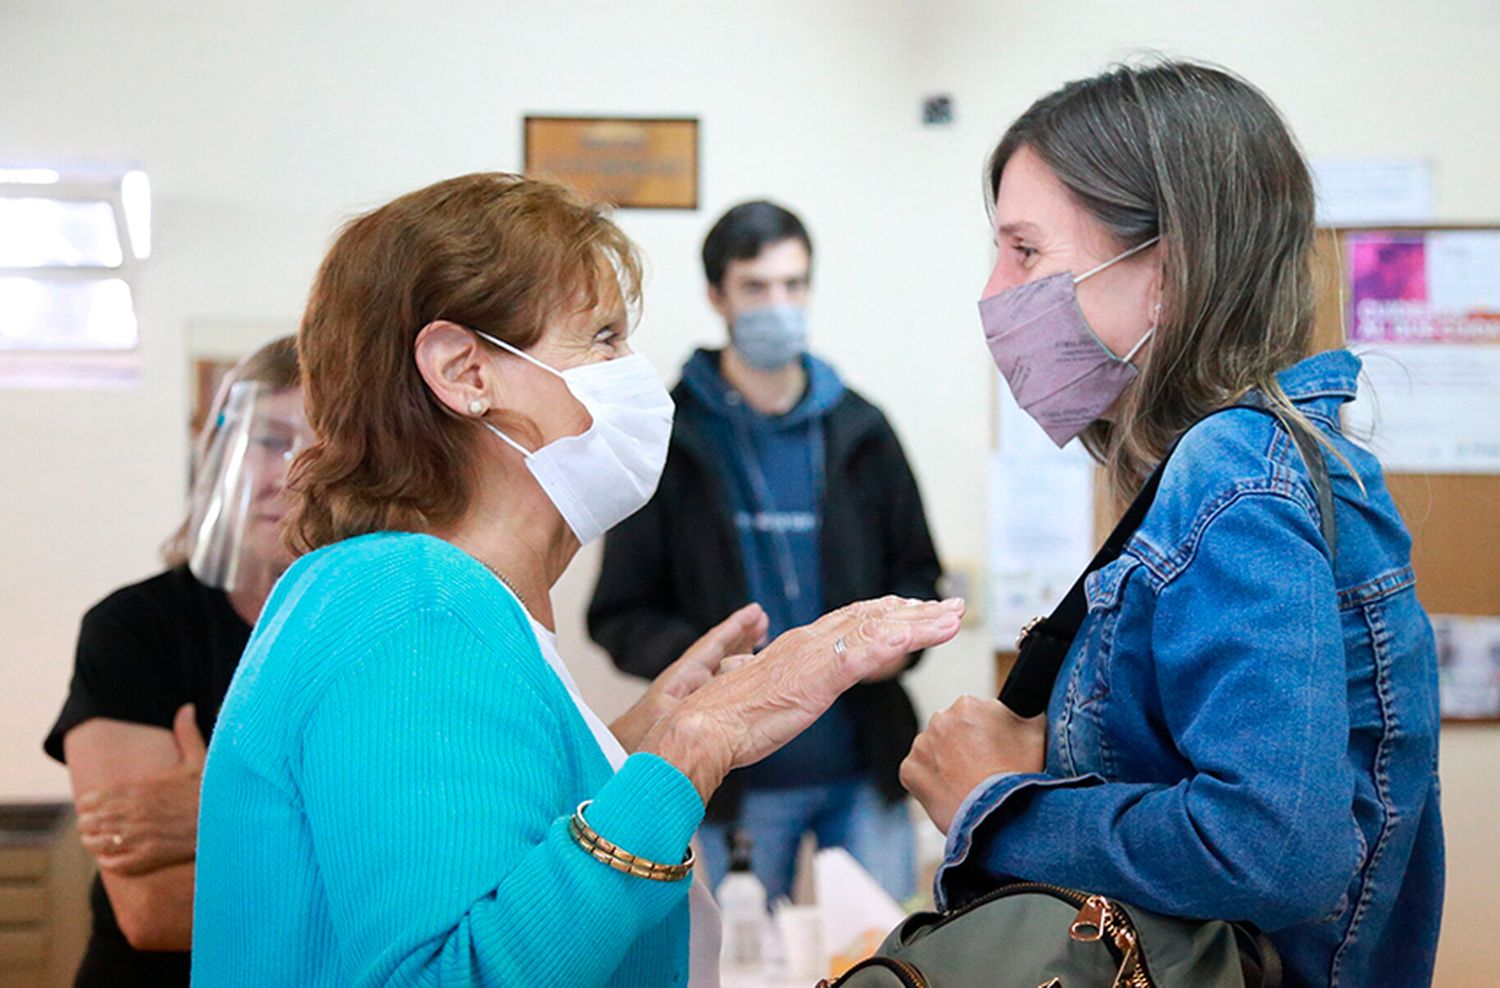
[(143, 652)]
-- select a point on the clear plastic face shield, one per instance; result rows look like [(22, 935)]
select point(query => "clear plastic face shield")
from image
[(239, 502)]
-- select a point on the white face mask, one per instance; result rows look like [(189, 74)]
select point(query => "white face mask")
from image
[(600, 478)]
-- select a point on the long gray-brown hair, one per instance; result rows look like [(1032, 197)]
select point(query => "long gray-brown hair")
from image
[(1201, 158)]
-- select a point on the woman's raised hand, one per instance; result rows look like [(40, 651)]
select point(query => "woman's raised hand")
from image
[(735, 635), (757, 704)]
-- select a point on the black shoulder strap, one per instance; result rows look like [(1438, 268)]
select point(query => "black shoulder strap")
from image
[(1044, 643)]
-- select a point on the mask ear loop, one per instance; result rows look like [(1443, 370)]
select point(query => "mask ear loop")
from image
[(1155, 322), (526, 357), (1117, 259), (1156, 313), (518, 352), (513, 444)]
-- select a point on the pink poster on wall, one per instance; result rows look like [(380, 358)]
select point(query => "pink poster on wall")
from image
[(1439, 287), (1424, 315)]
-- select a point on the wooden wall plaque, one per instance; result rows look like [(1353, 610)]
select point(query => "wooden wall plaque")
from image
[(632, 163)]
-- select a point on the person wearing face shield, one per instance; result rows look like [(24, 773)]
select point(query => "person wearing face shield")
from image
[(431, 798), (154, 661), (785, 487), (1242, 719)]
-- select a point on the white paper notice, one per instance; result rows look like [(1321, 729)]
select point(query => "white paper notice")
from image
[(1041, 521), (1426, 408), (1364, 191), (1041, 537), (1463, 271), (1468, 665)]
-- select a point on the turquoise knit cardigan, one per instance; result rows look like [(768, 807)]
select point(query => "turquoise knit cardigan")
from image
[(387, 795)]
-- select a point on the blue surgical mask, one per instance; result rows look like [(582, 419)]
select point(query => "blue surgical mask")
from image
[(770, 338)]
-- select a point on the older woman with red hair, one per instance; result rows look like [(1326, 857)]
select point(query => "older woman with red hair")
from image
[(405, 786)]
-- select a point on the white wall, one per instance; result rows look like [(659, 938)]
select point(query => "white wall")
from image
[(263, 125)]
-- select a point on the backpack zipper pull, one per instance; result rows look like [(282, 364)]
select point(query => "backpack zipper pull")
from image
[(1129, 962), (1088, 925)]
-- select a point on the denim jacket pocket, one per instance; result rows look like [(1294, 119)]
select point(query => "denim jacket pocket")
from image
[(1105, 586), (1082, 740)]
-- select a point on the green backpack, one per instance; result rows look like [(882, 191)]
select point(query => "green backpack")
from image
[(1030, 935)]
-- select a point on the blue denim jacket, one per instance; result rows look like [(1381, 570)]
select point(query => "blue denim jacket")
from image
[(1243, 730)]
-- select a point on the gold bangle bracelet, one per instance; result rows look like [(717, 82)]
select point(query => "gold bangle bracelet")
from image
[(618, 858)]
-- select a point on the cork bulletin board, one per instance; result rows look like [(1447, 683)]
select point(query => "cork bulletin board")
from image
[(1454, 518)]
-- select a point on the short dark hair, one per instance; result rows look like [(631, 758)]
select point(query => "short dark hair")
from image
[(745, 231)]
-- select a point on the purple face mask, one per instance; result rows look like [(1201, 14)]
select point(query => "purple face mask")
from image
[(1057, 369)]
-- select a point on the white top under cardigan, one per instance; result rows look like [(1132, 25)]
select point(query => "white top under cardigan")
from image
[(704, 927)]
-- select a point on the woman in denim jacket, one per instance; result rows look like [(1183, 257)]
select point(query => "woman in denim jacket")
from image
[(1246, 726)]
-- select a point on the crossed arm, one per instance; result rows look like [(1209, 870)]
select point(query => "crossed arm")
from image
[(136, 790)]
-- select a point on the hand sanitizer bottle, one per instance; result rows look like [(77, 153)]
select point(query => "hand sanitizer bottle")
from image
[(742, 900)]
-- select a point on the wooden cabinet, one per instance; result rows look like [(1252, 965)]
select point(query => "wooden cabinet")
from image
[(44, 880)]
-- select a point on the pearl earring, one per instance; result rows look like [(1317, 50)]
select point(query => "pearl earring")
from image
[(477, 406)]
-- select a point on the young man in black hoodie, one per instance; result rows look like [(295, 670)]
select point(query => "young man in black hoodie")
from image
[(785, 487)]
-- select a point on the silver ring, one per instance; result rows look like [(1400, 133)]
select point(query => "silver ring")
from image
[(116, 840), (840, 646)]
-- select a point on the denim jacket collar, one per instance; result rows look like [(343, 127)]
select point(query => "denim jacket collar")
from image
[(1325, 380)]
